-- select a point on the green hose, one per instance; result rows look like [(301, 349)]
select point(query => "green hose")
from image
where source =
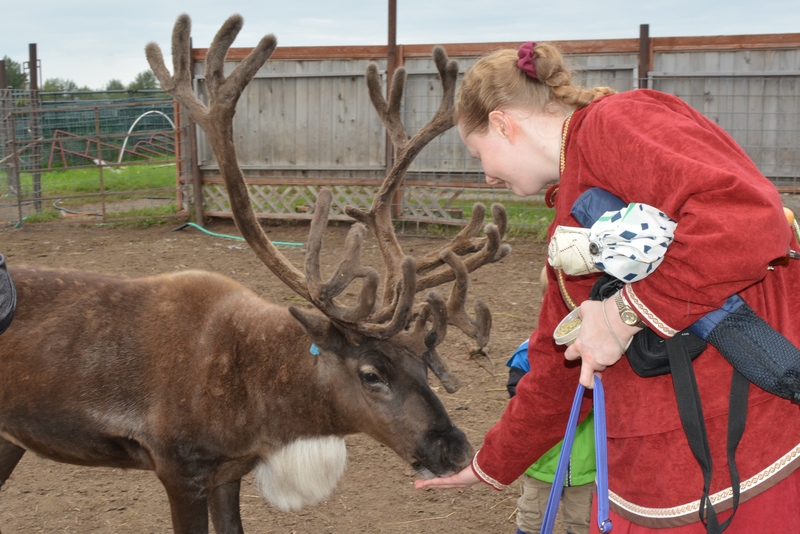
[(237, 238)]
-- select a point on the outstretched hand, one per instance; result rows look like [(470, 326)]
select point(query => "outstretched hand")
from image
[(463, 479)]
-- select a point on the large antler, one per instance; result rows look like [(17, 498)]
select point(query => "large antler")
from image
[(216, 120), (465, 252), (389, 316)]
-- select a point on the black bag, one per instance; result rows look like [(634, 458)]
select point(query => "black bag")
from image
[(8, 297), (647, 353)]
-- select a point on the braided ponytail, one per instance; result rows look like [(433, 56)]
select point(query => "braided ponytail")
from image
[(499, 81), (552, 71)]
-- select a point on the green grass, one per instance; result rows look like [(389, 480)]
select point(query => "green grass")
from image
[(79, 191), (525, 217), (144, 216), (87, 180)]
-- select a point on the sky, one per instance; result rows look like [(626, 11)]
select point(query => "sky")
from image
[(91, 42)]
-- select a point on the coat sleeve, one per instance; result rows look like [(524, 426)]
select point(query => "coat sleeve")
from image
[(535, 419), (655, 149)]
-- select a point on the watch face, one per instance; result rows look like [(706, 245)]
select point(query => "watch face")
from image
[(629, 317)]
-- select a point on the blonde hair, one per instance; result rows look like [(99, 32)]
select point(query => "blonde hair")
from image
[(496, 82)]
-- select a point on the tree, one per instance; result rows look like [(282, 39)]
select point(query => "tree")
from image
[(115, 85), (144, 80), (57, 85), (14, 75)]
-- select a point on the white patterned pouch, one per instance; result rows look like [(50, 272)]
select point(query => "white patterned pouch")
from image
[(630, 243)]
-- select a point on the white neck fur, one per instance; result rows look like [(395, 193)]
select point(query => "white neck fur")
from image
[(302, 473)]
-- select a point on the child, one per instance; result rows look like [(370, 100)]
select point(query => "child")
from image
[(576, 499)]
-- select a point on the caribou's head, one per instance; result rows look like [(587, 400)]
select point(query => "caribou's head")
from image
[(380, 387), (383, 339)]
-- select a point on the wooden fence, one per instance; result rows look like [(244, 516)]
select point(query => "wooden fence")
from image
[(306, 120)]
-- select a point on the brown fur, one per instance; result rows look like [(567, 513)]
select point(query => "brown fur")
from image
[(195, 377)]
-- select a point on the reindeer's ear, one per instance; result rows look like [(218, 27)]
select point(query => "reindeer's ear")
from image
[(323, 332)]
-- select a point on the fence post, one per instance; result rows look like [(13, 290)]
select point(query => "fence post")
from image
[(391, 65), (194, 158), (100, 162), (645, 55), (33, 67), (197, 186), (6, 129)]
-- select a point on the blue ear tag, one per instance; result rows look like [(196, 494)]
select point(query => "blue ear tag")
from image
[(314, 350)]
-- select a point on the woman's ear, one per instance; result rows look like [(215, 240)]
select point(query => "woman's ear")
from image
[(501, 123)]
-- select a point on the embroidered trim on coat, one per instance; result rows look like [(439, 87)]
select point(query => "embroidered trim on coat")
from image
[(723, 500), (483, 476), (645, 313)]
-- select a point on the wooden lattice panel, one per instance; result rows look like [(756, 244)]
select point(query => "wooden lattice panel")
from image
[(288, 201), (426, 204)]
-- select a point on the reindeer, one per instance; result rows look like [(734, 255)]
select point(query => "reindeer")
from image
[(193, 376)]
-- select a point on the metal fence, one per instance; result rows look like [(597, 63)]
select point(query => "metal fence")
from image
[(98, 159)]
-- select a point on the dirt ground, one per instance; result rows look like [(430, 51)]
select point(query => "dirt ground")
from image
[(376, 494)]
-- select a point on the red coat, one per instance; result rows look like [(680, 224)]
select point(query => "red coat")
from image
[(649, 147)]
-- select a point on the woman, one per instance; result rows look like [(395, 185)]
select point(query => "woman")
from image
[(521, 115)]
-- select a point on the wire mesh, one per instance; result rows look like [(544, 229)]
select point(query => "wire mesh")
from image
[(101, 159)]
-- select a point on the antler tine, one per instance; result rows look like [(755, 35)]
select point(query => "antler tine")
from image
[(388, 112), (466, 242), (463, 243), (490, 251), (179, 85), (217, 121), (322, 295), (427, 340), (500, 218), (215, 58), (457, 315), (405, 290), (443, 118)]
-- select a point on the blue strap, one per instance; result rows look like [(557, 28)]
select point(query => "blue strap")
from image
[(601, 453)]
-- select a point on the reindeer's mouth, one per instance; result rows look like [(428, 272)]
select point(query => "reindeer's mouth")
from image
[(443, 455), (424, 472)]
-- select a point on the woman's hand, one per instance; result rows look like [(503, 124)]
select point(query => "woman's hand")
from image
[(463, 479), (595, 344)]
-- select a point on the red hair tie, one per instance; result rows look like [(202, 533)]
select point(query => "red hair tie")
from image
[(527, 59)]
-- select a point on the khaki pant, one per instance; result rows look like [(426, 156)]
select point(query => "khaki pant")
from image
[(576, 506)]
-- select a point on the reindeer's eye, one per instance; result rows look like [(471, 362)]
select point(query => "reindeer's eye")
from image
[(371, 378)]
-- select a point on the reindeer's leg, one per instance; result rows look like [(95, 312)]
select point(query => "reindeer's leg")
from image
[(10, 455), (187, 504), (224, 506)]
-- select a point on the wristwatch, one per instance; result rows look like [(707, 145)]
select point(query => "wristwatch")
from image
[(626, 313)]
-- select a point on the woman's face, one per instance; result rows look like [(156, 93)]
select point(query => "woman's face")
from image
[(520, 153)]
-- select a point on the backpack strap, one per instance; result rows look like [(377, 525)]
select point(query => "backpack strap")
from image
[(691, 414)]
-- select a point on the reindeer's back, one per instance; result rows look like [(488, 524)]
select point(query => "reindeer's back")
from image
[(146, 350)]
